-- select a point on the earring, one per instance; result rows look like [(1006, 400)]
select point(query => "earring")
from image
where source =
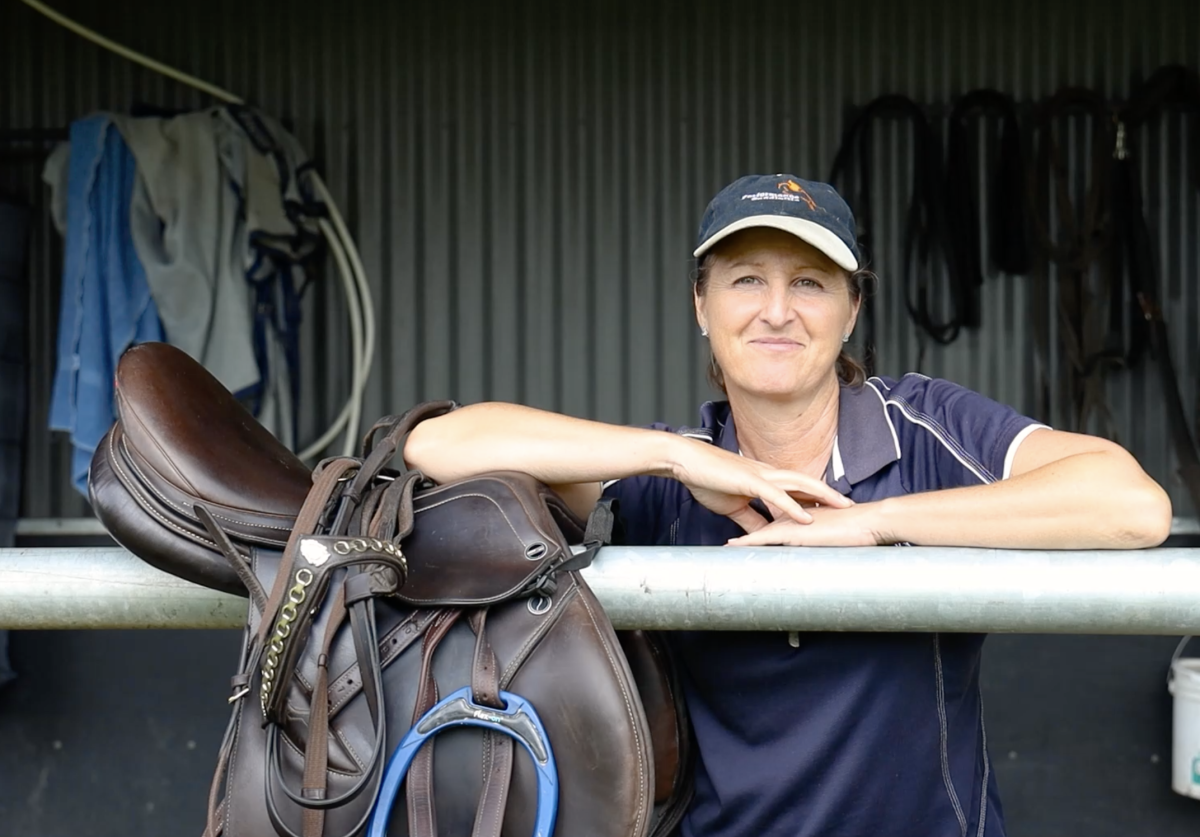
[(845, 338), (703, 331)]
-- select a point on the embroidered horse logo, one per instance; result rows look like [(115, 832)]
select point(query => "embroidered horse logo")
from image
[(795, 188)]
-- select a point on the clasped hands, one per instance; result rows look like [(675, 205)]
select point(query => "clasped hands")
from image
[(806, 511)]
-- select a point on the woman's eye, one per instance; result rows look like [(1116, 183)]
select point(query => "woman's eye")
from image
[(745, 280), (805, 282)]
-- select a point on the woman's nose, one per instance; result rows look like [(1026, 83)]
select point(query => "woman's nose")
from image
[(777, 309)]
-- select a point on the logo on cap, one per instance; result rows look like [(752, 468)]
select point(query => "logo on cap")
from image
[(795, 188)]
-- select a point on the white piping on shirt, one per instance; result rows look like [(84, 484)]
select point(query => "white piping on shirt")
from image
[(944, 735), (987, 770), (1012, 448), (883, 402)]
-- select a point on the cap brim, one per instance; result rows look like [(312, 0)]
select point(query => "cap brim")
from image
[(807, 231)]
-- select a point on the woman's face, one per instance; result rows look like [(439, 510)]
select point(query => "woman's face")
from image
[(776, 310)]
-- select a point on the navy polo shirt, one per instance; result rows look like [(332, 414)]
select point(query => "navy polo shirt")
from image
[(849, 734)]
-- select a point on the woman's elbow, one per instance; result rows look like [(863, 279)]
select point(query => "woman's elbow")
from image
[(429, 446), (417, 444), (1131, 509), (1146, 515), (457, 444)]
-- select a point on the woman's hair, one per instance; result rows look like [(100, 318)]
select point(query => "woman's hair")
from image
[(850, 370)]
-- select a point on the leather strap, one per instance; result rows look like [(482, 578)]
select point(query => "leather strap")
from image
[(306, 523), (398, 640), (603, 528), (393, 519), (367, 506), (924, 229), (1008, 240), (316, 752), (604, 523), (498, 749), (366, 649), (1081, 241), (317, 558), (366, 646), (485, 679), (398, 427), (215, 819), (1111, 225), (1181, 86), (497, 780), (377, 457), (235, 558), (422, 815), (382, 524)]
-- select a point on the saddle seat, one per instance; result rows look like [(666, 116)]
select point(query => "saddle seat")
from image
[(181, 439)]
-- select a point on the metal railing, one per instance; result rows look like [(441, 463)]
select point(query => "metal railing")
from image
[(1154, 591), (35, 527)]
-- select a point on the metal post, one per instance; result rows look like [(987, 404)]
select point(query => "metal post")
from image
[(1155, 591)]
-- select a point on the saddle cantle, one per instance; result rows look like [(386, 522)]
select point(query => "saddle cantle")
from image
[(183, 440), (442, 624)]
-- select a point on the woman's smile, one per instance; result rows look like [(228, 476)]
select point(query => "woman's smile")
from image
[(777, 344)]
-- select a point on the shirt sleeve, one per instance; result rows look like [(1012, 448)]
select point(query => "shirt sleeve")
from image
[(973, 438)]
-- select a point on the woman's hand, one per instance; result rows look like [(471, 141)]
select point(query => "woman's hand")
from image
[(856, 526), (726, 483)]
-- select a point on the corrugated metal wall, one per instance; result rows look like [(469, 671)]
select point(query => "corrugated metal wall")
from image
[(524, 180)]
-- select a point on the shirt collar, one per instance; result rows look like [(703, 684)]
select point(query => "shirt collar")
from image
[(865, 444)]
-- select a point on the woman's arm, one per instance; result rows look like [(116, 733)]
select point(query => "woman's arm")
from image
[(575, 455), (553, 448), (1066, 491)]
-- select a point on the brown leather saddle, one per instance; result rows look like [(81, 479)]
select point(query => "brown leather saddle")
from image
[(418, 659)]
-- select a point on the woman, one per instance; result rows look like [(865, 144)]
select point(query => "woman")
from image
[(853, 735)]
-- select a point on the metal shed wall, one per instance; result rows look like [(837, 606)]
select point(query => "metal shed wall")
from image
[(524, 180)]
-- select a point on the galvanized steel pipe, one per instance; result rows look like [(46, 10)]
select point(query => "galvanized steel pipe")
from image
[(1153, 591)]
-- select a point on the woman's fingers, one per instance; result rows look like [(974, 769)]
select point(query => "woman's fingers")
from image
[(748, 519), (809, 489), (767, 536), (829, 527), (724, 483), (784, 501)]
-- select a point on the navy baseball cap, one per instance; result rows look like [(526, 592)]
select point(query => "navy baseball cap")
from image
[(813, 212)]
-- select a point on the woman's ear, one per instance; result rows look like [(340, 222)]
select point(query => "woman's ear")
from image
[(698, 303), (855, 307)]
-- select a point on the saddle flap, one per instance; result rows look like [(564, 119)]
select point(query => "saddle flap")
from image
[(479, 541), (192, 432)]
